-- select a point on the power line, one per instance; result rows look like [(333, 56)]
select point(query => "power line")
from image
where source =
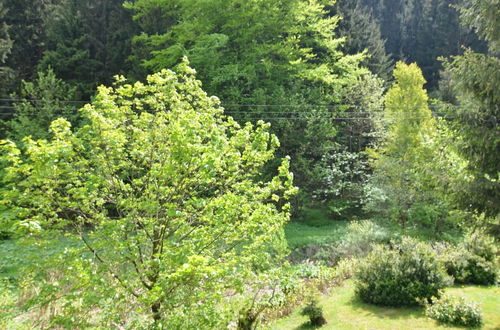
[(258, 105)]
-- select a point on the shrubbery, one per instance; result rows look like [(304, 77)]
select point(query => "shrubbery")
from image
[(454, 311), (358, 242), (398, 276), (474, 261), (314, 312)]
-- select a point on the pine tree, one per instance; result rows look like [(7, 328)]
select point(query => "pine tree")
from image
[(88, 43), (41, 102), (27, 21), (6, 73), (362, 33), (475, 78)]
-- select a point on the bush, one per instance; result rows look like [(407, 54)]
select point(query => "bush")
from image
[(361, 237), (314, 312), (398, 276), (454, 311), (358, 242), (472, 262)]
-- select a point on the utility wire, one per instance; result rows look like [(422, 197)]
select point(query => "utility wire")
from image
[(250, 105)]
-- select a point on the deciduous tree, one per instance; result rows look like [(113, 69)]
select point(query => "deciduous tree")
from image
[(165, 194)]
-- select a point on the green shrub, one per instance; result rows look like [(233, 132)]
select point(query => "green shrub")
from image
[(454, 311), (361, 237), (398, 276), (482, 245), (472, 262), (314, 312)]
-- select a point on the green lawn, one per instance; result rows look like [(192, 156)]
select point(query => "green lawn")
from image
[(344, 311), (299, 234)]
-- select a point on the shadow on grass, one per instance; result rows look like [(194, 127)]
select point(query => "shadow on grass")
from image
[(307, 326), (386, 312)]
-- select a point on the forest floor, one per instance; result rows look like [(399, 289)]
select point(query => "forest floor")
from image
[(344, 311)]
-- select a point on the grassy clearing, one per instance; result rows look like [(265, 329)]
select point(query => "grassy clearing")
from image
[(299, 234), (314, 227), (344, 311)]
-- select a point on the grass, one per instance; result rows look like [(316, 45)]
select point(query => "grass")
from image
[(314, 227), (344, 311), (299, 234)]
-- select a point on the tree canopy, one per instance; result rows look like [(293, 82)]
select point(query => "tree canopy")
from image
[(166, 195)]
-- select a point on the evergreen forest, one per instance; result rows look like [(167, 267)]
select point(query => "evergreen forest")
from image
[(249, 164)]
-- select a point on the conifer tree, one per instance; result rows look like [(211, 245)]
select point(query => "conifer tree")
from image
[(475, 78), (6, 42)]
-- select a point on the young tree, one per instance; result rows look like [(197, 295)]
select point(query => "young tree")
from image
[(414, 170), (166, 195), (39, 103)]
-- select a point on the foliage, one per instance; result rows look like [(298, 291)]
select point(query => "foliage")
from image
[(88, 43), (343, 175), (362, 32), (314, 312), (41, 102), (27, 21), (420, 31), (409, 125), (475, 261), (361, 238), (416, 169), (356, 241), (454, 311), (483, 16), (273, 60), (144, 186), (474, 78), (5, 49), (399, 275), (269, 293)]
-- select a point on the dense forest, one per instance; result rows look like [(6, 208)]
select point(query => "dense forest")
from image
[(191, 164)]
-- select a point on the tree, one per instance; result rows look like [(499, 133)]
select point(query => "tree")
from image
[(5, 49), (272, 60), (88, 43), (414, 170), (484, 17), (420, 31), (39, 103), (340, 176), (475, 79), (362, 33), (166, 195)]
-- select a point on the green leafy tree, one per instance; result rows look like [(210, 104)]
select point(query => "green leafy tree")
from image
[(257, 53), (166, 195), (413, 169), (40, 103), (409, 122)]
